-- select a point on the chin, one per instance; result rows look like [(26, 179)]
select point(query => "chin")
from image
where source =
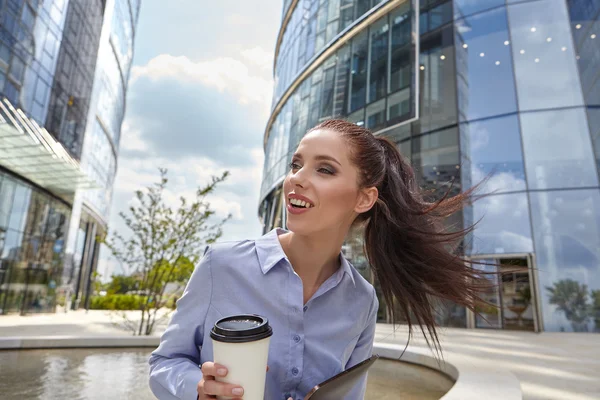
[(299, 227)]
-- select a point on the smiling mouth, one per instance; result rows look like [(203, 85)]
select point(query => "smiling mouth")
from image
[(296, 203)]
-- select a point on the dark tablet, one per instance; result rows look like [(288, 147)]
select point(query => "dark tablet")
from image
[(340, 385)]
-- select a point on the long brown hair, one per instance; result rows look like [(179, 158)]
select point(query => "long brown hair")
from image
[(411, 253)]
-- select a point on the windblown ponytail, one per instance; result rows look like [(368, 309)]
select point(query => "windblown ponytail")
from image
[(411, 253)]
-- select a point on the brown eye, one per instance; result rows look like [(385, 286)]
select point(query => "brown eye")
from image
[(293, 165), (326, 171)]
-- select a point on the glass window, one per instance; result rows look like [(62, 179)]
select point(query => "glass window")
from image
[(438, 91), (399, 104), (327, 100), (400, 63), (376, 114), (405, 149), (463, 8), (545, 70), (379, 59), (17, 69), (346, 14), (435, 157), (502, 224), (566, 231), (357, 117), (594, 123), (482, 52), (4, 53), (340, 106), (18, 212), (362, 6), (12, 245), (440, 15), (7, 189), (493, 146), (546, 135), (358, 85)]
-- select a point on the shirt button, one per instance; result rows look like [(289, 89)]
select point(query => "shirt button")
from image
[(296, 338), (305, 308), (295, 371)]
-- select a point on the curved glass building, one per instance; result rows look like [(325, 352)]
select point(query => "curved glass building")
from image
[(64, 67), (466, 89)]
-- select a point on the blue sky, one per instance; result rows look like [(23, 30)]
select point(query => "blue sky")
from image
[(197, 104)]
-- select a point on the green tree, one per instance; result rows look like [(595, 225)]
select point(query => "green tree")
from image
[(121, 284), (164, 245), (596, 309), (571, 297)]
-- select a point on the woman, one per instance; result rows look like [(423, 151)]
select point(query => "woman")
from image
[(323, 312)]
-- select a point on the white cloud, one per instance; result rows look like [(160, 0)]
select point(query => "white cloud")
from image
[(259, 57), (225, 74)]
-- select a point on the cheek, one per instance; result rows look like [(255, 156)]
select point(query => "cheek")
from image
[(340, 198)]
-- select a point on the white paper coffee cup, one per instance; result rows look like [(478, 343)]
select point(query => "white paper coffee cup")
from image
[(241, 343)]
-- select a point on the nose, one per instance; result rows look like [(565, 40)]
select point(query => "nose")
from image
[(298, 178)]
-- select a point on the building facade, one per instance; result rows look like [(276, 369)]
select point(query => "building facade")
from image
[(467, 90), (56, 170)]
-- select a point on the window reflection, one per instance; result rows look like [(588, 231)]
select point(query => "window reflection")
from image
[(479, 95), (435, 159), (358, 84), (566, 231), (546, 135), (379, 59), (545, 70), (493, 146), (463, 8), (502, 225), (438, 89)]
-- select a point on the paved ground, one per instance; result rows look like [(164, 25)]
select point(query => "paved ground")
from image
[(557, 366)]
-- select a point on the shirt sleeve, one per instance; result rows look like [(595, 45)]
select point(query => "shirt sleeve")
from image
[(364, 350), (175, 364)]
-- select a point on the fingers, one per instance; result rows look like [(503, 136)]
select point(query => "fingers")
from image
[(212, 369), (215, 388)]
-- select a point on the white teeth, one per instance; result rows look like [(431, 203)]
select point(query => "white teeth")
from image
[(300, 203)]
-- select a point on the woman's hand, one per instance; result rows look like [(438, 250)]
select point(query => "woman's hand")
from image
[(209, 387)]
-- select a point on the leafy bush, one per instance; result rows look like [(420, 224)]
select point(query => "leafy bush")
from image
[(117, 302)]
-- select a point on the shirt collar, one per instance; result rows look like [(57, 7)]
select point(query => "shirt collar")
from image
[(270, 253)]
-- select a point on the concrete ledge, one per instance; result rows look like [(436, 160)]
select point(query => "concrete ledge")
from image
[(62, 342), (471, 383)]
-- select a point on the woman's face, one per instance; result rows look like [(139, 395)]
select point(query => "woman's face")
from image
[(321, 188)]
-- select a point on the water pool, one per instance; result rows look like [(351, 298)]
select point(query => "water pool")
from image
[(122, 374)]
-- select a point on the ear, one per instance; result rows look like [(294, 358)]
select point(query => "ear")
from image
[(366, 199)]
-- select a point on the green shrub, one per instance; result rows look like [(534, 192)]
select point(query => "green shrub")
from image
[(117, 302)]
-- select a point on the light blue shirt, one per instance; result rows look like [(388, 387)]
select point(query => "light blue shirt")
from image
[(311, 342)]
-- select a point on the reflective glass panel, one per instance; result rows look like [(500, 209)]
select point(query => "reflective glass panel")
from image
[(463, 8), (546, 137), (7, 189), (566, 231), (493, 146), (18, 212), (358, 84), (435, 159), (543, 55), (482, 52), (379, 59), (502, 224)]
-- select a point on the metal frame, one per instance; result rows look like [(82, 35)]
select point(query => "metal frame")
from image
[(538, 324)]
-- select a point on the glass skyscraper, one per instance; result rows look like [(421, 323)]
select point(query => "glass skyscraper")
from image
[(64, 67), (466, 89)]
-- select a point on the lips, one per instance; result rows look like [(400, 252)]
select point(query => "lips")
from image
[(298, 204)]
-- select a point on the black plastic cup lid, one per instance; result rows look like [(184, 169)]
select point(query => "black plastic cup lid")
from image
[(241, 329)]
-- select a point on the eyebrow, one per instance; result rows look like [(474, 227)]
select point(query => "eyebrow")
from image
[(320, 157)]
